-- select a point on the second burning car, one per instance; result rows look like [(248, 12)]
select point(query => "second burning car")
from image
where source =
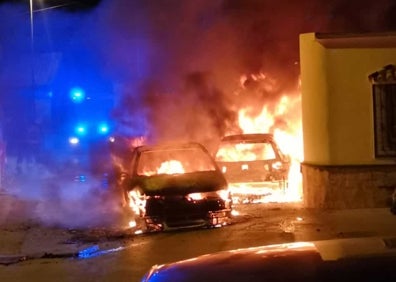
[(175, 186), (254, 166)]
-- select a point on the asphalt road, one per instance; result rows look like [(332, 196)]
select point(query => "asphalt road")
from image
[(33, 252)]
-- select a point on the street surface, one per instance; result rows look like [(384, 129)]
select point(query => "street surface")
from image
[(34, 251)]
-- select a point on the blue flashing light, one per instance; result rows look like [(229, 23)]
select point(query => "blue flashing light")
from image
[(80, 178), (80, 129), (89, 252), (77, 94), (103, 128)]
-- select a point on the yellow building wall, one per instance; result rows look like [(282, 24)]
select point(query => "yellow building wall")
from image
[(337, 106), (351, 102), (314, 100)]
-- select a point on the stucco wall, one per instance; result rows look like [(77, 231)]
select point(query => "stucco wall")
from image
[(314, 100), (337, 107), (351, 122), (341, 187)]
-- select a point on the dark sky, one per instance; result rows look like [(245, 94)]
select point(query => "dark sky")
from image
[(67, 5)]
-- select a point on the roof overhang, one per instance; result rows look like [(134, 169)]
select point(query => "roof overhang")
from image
[(357, 40)]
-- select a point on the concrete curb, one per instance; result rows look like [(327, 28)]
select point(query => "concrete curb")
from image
[(11, 259)]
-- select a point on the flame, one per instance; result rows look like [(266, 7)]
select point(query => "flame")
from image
[(166, 167), (282, 118), (171, 167), (137, 201), (245, 152)]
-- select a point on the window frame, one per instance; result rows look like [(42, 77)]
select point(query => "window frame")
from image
[(384, 109)]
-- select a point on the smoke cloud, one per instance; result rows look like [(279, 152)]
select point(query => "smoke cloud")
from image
[(163, 46)]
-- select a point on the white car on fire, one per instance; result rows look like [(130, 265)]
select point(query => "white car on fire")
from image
[(253, 165)]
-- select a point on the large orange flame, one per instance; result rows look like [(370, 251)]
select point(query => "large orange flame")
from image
[(171, 167), (282, 118)]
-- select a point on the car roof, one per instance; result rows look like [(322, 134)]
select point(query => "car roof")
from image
[(170, 146), (251, 137)]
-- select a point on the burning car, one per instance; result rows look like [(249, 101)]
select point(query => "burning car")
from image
[(175, 186), (253, 165)]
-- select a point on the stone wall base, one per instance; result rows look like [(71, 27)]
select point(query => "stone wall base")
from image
[(344, 187)]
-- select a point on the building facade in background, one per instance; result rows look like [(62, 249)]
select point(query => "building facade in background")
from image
[(349, 119)]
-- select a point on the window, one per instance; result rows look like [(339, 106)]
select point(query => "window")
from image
[(174, 161), (384, 101), (245, 152)]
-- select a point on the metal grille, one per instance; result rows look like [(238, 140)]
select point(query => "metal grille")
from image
[(385, 119)]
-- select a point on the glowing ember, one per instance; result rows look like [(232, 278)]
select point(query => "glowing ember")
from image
[(132, 223), (171, 167), (235, 213), (139, 232)]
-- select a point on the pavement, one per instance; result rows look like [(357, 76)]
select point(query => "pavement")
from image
[(25, 235), (42, 226)]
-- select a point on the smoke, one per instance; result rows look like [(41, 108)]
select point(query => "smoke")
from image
[(199, 113), (171, 40), (178, 70), (159, 46), (39, 61), (65, 201)]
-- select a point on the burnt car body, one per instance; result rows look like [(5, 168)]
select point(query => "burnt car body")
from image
[(175, 186), (356, 259), (253, 165)]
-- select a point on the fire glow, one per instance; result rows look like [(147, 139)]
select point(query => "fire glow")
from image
[(288, 136), (171, 167)]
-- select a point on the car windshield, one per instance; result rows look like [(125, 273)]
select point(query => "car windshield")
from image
[(174, 161), (235, 152)]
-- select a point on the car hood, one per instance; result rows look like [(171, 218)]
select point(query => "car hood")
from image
[(329, 260), (185, 183)]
